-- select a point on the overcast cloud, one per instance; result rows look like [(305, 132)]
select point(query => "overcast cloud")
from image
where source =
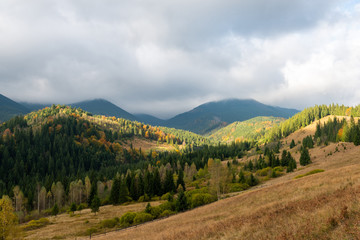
[(165, 57)]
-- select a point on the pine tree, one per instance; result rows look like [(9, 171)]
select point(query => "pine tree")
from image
[(181, 201), (169, 185), (55, 210), (73, 207), (95, 204), (305, 157), (180, 180), (292, 144), (241, 177), (123, 193), (115, 191)]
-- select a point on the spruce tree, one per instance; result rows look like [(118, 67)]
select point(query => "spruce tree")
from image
[(95, 204), (115, 191), (292, 144), (181, 201), (180, 180), (305, 157)]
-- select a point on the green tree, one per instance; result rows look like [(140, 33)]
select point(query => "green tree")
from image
[(115, 191), (180, 180), (55, 210), (305, 157), (181, 201), (292, 144), (73, 207), (95, 204)]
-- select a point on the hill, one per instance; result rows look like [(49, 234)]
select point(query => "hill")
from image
[(149, 119), (103, 107), (10, 108), (318, 206), (252, 129), (212, 115)]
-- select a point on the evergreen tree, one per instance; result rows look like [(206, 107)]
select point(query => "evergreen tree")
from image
[(95, 204), (73, 207), (93, 193), (181, 201), (180, 180), (169, 185), (115, 191), (157, 183), (305, 157), (123, 193), (241, 177), (55, 210), (284, 158), (292, 144), (252, 181)]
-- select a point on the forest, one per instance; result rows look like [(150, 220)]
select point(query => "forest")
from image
[(62, 155)]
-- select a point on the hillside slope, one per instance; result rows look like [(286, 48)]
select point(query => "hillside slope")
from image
[(250, 129), (212, 115), (10, 108), (319, 206)]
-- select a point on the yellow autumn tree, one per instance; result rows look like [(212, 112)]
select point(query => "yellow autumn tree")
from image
[(8, 219)]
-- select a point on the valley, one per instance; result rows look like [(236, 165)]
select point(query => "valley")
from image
[(105, 173)]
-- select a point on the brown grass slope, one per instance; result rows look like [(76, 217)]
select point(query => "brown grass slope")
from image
[(321, 206)]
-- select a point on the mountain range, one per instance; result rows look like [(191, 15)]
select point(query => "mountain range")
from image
[(202, 119), (10, 108)]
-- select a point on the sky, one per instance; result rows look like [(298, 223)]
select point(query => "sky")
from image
[(165, 57)]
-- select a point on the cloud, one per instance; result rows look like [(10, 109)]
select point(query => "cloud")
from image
[(165, 57)]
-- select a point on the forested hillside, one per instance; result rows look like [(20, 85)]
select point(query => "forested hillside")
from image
[(252, 129), (309, 115), (51, 148)]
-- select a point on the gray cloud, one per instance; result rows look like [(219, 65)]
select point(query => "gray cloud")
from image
[(162, 57)]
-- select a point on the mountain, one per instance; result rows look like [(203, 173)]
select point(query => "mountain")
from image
[(103, 107), (34, 106), (149, 119), (10, 108), (253, 128), (212, 115)]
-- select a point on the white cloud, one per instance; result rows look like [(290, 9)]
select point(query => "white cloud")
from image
[(164, 57)]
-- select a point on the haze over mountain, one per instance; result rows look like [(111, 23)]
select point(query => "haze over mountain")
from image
[(212, 115), (201, 120), (10, 108), (103, 107)]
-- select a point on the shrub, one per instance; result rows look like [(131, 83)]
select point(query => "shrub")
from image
[(35, 224), (237, 187), (144, 198), (108, 223), (200, 199), (166, 213), (142, 217), (81, 206), (167, 196), (91, 231), (156, 211), (127, 219), (310, 173), (167, 206), (263, 172)]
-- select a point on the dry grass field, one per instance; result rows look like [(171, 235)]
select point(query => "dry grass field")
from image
[(324, 205), (320, 206), (65, 226)]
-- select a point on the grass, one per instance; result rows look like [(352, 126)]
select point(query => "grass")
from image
[(64, 226), (320, 206), (309, 173)]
